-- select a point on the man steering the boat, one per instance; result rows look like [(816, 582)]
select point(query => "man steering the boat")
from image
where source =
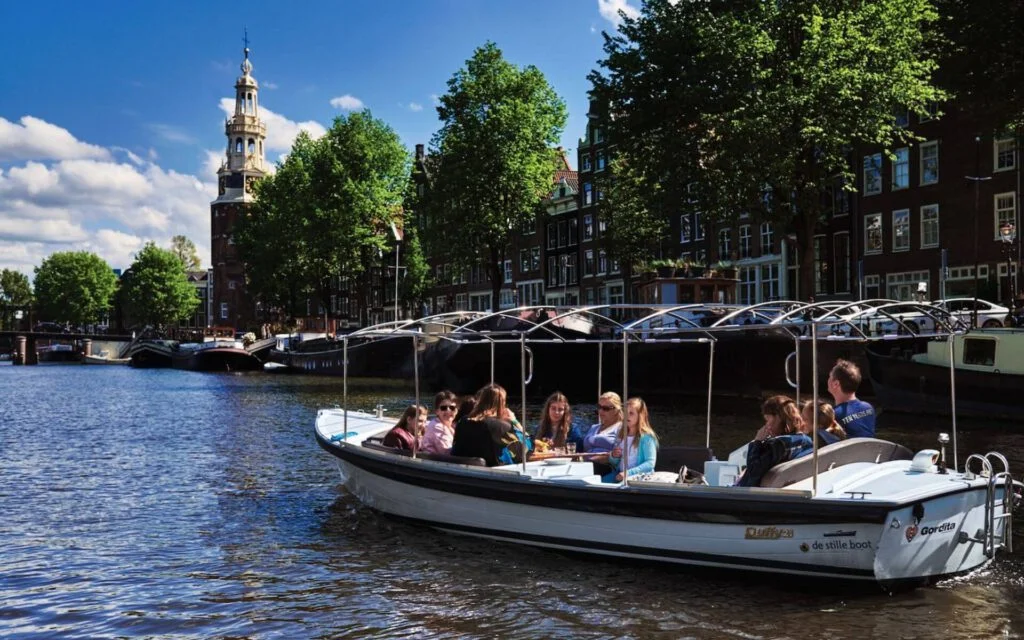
[(855, 416)]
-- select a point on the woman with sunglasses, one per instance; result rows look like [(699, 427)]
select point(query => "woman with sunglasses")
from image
[(604, 436), (441, 429)]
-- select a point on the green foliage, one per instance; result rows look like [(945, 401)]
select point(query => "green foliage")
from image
[(417, 280), (156, 290), (75, 287), (980, 51), (15, 291), (754, 97), (325, 212), (185, 249), (496, 158)]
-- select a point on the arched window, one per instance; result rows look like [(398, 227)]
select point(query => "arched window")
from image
[(261, 147), (248, 103), (252, 146), (238, 145)]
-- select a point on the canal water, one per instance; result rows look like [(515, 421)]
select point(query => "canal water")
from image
[(162, 503)]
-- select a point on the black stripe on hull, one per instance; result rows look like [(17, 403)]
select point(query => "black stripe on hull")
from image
[(741, 509)]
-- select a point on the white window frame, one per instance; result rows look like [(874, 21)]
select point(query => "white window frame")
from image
[(869, 224), (698, 227), (901, 161), (906, 283), (1004, 150), (508, 271), (602, 262), (926, 216), (588, 194), (585, 162), (724, 244), (223, 311), (744, 247), (685, 228), (1004, 213), (873, 281), (588, 227), (898, 247), (928, 147), (588, 263), (767, 238), (873, 164)]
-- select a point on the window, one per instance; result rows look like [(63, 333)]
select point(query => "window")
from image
[(840, 197), (903, 286), (698, 226), (588, 227), (901, 169), (585, 162), (747, 290), (980, 351), (602, 262), (590, 296), (563, 234), (724, 244), (508, 271), (841, 246), (931, 111), (574, 232), (552, 271), (238, 145), (820, 266), (745, 241), (600, 161), (871, 286), (223, 311), (535, 259), (588, 262), (1006, 209), (552, 236), (460, 302), (873, 233), (570, 269), (615, 267), (767, 238), (929, 226), (524, 260), (598, 134), (1005, 150), (232, 284), (930, 162), (252, 146), (770, 282), (602, 226), (873, 174), (902, 118), (588, 194), (901, 230)]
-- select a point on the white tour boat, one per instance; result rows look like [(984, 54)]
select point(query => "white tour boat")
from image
[(862, 510)]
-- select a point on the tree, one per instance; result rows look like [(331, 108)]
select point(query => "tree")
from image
[(759, 104), (326, 212), (75, 287), (417, 280), (185, 249), (496, 157), (15, 292), (156, 290), (635, 219)]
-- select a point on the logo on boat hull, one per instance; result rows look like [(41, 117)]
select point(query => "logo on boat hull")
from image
[(911, 532), (767, 533)]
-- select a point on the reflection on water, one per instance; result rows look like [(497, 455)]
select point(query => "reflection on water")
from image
[(155, 503)]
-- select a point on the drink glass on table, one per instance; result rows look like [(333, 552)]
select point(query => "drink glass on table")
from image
[(570, 448)]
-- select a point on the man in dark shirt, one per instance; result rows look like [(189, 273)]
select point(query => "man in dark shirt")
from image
[(856, 416)]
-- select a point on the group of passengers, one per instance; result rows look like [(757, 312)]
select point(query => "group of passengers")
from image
[(788, 429), (483, 426)]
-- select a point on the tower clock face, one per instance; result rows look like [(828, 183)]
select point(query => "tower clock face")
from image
[(249, 182)]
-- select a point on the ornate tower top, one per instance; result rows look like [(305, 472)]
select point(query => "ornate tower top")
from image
[(245, 160)]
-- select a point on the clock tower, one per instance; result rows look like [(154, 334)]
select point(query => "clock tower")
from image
[(244, 164)]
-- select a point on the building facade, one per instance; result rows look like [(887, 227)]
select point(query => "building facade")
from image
[(244, 164)]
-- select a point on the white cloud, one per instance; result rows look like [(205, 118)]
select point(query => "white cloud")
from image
[(35, 139), (347, 102), (268, 85), (435, 99), (609, 10), (415, 106), (281, 131), (172, 133)]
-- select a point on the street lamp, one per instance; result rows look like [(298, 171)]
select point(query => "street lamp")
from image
[(1008, 233)]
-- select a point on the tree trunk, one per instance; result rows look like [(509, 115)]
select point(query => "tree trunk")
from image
[(805, 252)]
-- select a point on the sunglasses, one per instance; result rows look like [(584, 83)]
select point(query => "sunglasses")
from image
[(605, 407), (446, 407)]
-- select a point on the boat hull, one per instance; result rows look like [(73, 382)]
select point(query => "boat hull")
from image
[(217, 359), (380, 358), (904, 385), (105, 361)]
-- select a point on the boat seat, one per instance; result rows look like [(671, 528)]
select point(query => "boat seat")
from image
[(834, 455), (374, 443), (674, 458)]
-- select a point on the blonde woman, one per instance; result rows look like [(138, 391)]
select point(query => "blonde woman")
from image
[(829, 429), (604, 436), (488, 431), (638, 444), (407, 432)]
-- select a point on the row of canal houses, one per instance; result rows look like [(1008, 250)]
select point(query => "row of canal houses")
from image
[(924, 214)]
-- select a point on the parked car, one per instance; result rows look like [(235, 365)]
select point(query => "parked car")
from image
[(49, 327), (989, 314)]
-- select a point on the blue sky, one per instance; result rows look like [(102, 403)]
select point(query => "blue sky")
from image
[(111, 114)]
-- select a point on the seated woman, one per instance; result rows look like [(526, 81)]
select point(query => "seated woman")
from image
[(556, 427), (829, 429), (638, 444), (488, 431), (406, 434), (604, 436), (440, 430), (779, 440)]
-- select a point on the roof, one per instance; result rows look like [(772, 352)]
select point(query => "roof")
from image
[(566, 172)]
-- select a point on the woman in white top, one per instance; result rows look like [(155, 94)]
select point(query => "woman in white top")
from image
[(604, 436)]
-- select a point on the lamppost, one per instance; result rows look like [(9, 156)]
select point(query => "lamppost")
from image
[(1008, 233)]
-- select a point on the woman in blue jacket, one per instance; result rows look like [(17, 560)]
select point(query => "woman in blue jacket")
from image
[(638, 444)]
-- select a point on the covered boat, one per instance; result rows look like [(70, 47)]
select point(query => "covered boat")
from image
[(214, 355), (863, 510)]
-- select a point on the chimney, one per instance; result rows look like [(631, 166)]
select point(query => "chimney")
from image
[(419, 153)]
